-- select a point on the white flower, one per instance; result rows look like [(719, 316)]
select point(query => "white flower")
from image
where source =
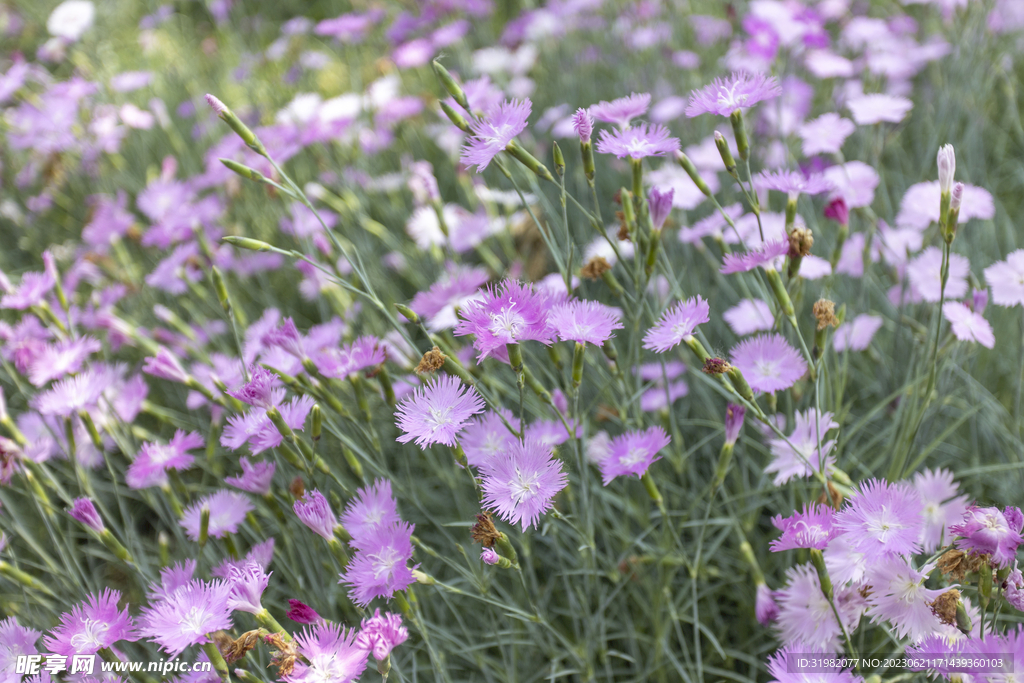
[(71, 19)]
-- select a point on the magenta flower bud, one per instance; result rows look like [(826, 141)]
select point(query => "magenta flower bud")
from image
[(583, 124), (85, 512), (957, 198), (489, 556), (661, 205), (838, 211), (979, 300), (315, 512), (260, 391), (165, 365), (947, 167), (302, 613), (216, 104), (765, 608), (733, 422)]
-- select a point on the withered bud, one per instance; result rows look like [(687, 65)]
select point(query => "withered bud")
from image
[(957, 564), (432, 360), (236, 649), (716, 366), (834, 498), (623, 226), (484, 531), (825, 313), (297, 488), (595, 268), (944, 606), (222, 639), (800, 242), (285, 656)]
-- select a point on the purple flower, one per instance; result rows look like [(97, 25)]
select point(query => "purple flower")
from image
[(63, 358), (151, 464), (315, 512), (172, 578), (489, 556), (91, 626), (373, 509), (805, 615), (919, 207), (68, 396), (898, 596), (585, 322), (364, 352), (768, 362), (876, 108), (763, 255), (1007, 280), (781, 669), (798, 455), (437, 412), (30, 292), (508, 314), (765, 609), (825, 134), (521, 483), (645, 140), (84, 511), (458, 286), (333, 655), (227, 510), (633, 452), (187, 615), (380, 567), (247, 585), (621, 111), (17, 640), (856, 335), (677, 323), (740, 91), (968, 325), (925, 275), (838, 211), (256, 428), (487, 436), (942, 507), (261, 553), (380, 634), (883, 518), (793, 183), (302, 613), (811, 528), (261, 389), (749, 316), (165, 365), (286, 337), (987, 531), (255, 478), (493, 133), (661, 205), (583, 124), (733, 422)]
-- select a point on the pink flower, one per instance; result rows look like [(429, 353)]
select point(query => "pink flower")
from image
[(493, 133), (763, 255), (585, 322), (856, 334), (883, 518), (151, 464), (793, 183), (765, 609), (645, 140), (583, 124), (329, 653), (740, 91), (633, 452), (380, 566), (380, 634), (920, 205), (768, 362), (1007, 280), (91, 626), (437, 412), (619, 112), (811, 528), (677, 323), (227, 511), (968, 325), (798, 455), (876, 108), (987, 531), (373, 508), (898, 596), (925, 275), (855, 182), (508, 314), (749, 316), (521, 483)]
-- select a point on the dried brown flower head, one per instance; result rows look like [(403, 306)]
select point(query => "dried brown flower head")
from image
[(285, 656), (825, 313), (484, 531), (834, 498), (716, 366), (957, 564), (944, 606), (432, 360), (297, 488), (800, 242), (236, 649), (595, 268)]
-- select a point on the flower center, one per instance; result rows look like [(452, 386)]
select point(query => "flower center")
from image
[(524, 487), (507, 323), (634, 456), (193, 622), (91, 636), (384, 562)]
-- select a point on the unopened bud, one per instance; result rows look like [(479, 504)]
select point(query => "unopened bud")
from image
[(455, 117), (318, 423), (247, 243), (946, 160), (243, 170), (556, 152), (451, 85), (723, 149), (691, 171), (739, 131)]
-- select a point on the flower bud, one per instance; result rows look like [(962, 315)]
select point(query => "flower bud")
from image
[(247, 243), (451, 85), (691, 171), (947, 167), (723, 149)]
